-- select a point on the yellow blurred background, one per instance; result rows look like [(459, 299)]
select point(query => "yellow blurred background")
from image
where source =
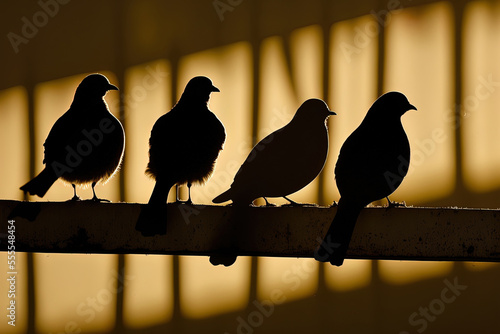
[(266, 57)]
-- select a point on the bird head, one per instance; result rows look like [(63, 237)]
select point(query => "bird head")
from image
[(198, 89), (314, 109), (94, 86), (391, 104)]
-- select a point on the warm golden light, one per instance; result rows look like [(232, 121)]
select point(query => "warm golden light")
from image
[(207, 290), (481, 266), (278, 102), (75, 292), (146, 98), (148, 294), (407, 272), (419, 50), (306, 49), (285, 279), (14, 136), (52, 100), (481, 96), (354, 275), (19, 294)]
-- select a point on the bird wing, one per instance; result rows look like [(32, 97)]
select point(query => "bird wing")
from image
[(165, 144), (368, 161), (212, 130), (278, 165), (260, 165), (164, 130), (65, 132)]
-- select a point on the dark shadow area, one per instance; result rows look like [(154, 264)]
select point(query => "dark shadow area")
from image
[(434, 305)]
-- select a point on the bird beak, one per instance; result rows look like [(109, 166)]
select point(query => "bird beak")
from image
[(112, 87), (215, 89), (412, 107), (331, 113)]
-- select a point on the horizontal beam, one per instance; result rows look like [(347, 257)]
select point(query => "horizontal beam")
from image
[(435, 234)]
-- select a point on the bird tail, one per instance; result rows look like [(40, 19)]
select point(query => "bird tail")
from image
[(153, 217), (337, 239), (224, 197), (160, 192), (40, 184)]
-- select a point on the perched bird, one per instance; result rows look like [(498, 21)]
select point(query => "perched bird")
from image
[(85, 145), (282, 163), (184, 144), (372, 163), (285, 161)]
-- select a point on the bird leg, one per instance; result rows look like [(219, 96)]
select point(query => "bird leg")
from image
[(189, 201), (292, 203), (95, 198), (177, 200), (267, 202), (395, 204), (75, 197)]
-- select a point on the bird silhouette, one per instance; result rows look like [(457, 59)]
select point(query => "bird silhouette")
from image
[(85, 145), (285, 161), (282, 163), (372, 163), (184, 145)]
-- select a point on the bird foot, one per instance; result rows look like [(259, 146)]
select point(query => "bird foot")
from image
[(396, 204), (295, 204), (188, 202), (99, 200), (334, 204), (74, 199), (268, 204), (292, 202)]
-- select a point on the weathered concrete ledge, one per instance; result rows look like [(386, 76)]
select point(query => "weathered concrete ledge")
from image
[(413, 233)]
